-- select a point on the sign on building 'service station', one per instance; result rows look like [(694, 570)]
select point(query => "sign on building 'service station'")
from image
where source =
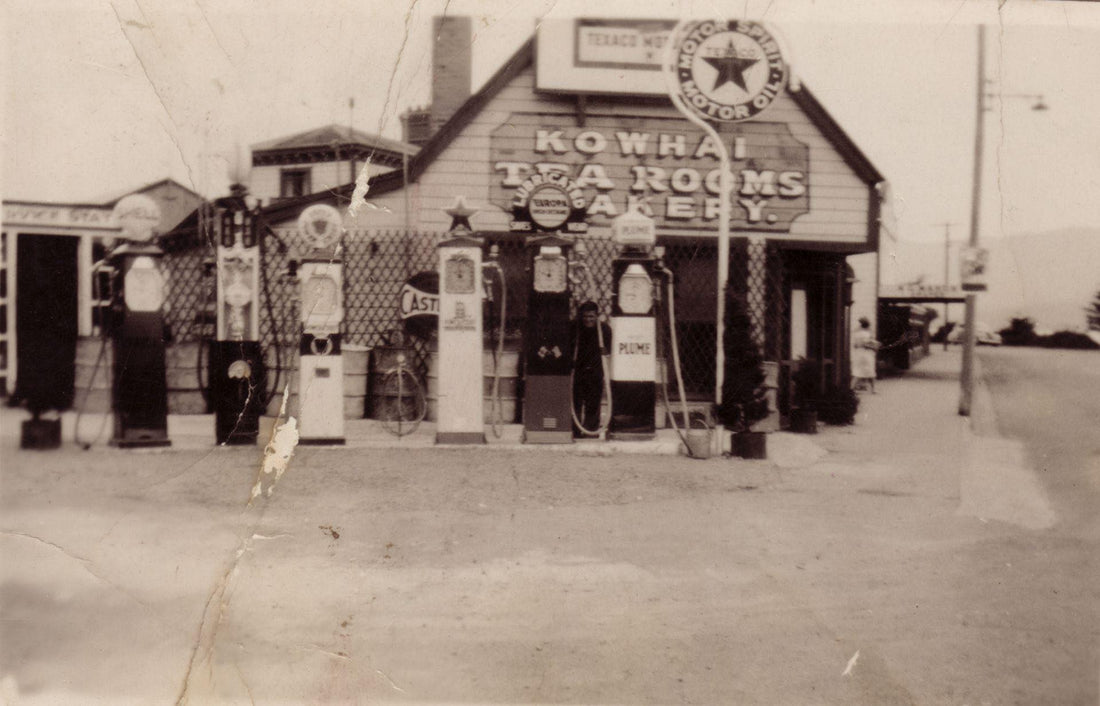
[(58, 216), (667, 168)]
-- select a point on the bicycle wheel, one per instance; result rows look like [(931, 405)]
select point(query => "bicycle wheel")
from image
[(403, 402)]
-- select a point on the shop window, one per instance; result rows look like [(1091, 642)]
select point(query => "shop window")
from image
[(293, 183)]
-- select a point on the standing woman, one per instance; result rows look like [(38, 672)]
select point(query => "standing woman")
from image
[(864, 357)]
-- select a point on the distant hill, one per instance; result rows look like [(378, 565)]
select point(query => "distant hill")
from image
[(1049, 277)]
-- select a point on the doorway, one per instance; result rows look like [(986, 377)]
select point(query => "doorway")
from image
[(46, 320)]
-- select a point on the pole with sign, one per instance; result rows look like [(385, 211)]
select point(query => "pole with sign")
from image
[(973, 264), (720, 71)]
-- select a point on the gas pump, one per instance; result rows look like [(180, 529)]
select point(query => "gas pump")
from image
[(633, 329), (139, 392), (321, 367), (237, 372), (548, 356), (461, 403)]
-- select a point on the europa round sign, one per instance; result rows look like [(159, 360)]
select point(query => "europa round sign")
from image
[(549, 206), (729, 71), (551, 201)]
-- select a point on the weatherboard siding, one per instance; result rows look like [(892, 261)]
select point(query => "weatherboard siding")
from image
[(839, 201)]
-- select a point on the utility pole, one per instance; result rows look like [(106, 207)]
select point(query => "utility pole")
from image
[(946, 278), (966, 378)]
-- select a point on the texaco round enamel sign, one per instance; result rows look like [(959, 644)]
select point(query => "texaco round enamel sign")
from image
[(729, 71)]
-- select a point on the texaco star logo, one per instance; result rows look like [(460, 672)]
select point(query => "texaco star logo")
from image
[(729, 71)]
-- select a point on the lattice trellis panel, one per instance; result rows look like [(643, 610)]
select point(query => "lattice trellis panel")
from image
[(777, 324), (597, 286), (756, 253), (377, 264), (190, 297), (757, 272)]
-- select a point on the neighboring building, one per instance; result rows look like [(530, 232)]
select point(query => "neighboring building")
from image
[(320, 160), (803, 184), (47, 251)]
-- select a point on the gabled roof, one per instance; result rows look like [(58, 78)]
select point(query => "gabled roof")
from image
[(148, 187), (334, 134), (521, 59)]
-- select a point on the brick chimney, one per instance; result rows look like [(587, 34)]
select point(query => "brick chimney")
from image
[(450, 67), (416, 126)]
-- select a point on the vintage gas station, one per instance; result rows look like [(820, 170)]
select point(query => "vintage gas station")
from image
[(573, 135), (645, 166)]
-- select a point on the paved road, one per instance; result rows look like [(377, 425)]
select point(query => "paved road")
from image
[(1050, 400), (455, 576)]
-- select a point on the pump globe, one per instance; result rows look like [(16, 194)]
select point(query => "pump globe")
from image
[(634, 229)]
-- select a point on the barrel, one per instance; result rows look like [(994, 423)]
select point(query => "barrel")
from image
[(384, 359), (509, 385), (355, 359), (356, 368), (94, 358), (97, 398), (283, 362), (182, 376)]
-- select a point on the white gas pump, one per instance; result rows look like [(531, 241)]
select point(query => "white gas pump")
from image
[(321, 367), (633, 329), (461, 387)]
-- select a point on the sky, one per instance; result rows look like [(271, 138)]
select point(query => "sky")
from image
[(103, 96)]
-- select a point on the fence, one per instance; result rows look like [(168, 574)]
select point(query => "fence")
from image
[(378, 263)]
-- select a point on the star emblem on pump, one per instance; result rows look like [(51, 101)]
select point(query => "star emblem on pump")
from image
[(731, 67), (460, 215)]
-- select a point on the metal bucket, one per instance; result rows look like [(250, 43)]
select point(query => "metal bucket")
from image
[(699, 440)]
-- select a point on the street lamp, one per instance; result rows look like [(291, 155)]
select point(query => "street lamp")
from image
[(966, 378)]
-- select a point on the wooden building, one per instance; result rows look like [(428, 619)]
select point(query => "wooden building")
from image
[(319, 160), (801, 182), (47, 253)]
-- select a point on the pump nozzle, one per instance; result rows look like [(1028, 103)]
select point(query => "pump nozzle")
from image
[(580, 250), (659, 254), (494, 251)]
